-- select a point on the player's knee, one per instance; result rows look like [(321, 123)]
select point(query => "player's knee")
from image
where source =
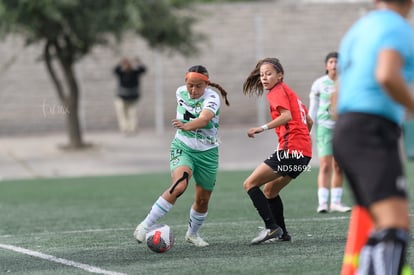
[(247, 185), (268, 192), (180, 185), (337, 168), (325, 168)]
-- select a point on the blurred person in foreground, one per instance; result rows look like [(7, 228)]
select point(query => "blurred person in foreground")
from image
[(376, 66)]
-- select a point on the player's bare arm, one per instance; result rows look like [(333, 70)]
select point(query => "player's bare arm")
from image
[(200, 122), (389, 76), (285, 117)]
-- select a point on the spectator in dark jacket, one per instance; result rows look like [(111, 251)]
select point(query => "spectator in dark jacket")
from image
[(128, 94)]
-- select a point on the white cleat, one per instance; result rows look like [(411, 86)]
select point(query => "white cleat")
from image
[(140, 232), (196, 240), (267, 234), (339, 207), (322, 208)]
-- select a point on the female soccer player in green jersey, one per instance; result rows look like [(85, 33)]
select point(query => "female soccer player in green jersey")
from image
[(194, 152)]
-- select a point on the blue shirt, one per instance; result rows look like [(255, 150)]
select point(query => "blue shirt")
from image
[(359, 90)]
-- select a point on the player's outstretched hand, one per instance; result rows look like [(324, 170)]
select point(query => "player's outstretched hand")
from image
[(252, 131)]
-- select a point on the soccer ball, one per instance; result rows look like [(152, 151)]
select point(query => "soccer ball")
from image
[(160, 238)]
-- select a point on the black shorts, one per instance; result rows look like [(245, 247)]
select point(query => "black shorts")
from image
[(367, 149), (286, 164)]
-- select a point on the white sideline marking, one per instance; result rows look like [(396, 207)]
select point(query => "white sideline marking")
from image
[(89, 268)]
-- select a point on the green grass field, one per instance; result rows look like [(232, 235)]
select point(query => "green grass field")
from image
[(81, 224)]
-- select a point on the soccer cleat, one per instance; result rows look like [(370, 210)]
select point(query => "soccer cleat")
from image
[(140, 232), (284, 238), (196, 240), (322, 208), (267, 234), (339, 207)]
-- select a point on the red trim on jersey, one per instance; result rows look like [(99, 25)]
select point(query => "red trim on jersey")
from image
[(293, 136)]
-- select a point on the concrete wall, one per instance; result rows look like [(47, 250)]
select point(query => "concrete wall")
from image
[(299, 33)]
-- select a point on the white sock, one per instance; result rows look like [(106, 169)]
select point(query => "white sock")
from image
[(158, 210), (336, 195), (196, 221), (323, 195)]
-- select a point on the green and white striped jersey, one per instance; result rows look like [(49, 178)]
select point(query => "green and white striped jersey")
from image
[(320, 101), (189, 109)]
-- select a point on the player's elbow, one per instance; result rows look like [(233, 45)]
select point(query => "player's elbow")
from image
[(309, 122), (287, 116), (385, 78), (203, 122)]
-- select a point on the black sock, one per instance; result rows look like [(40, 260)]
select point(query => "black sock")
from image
[(276, 206), (384, 249), (260, 202)]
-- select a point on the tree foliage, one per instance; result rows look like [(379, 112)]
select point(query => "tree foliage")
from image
[(87, 23), (69, 29)]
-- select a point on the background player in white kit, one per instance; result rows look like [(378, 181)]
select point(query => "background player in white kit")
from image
[(330, 178)]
